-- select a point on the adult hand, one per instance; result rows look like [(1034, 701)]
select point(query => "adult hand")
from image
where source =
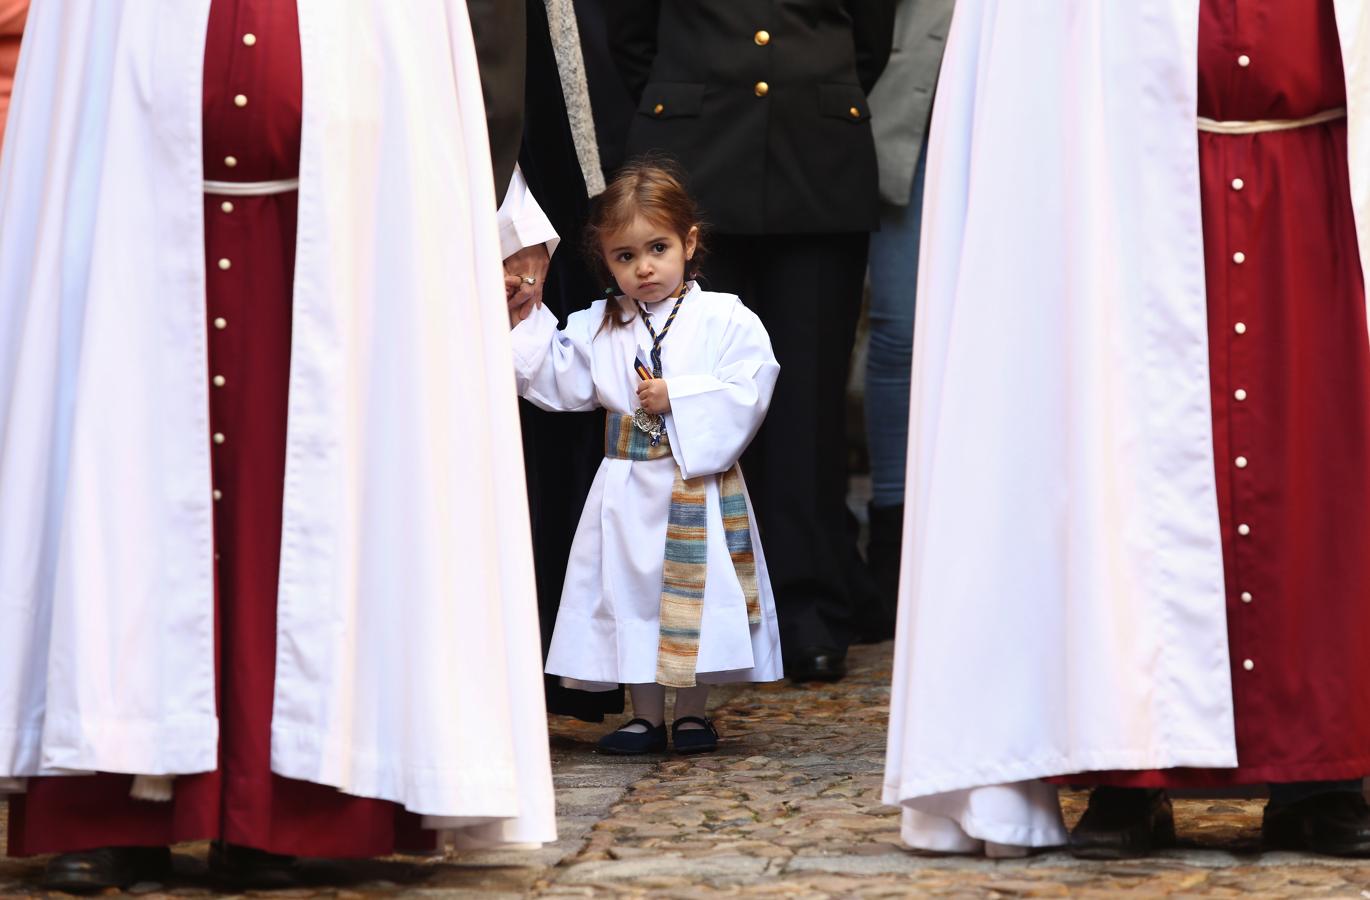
[(520, 306), (529, 264)]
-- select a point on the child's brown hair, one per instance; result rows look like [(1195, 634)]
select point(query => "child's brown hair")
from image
[(653, 187)]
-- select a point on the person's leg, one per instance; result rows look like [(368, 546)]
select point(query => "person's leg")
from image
[(649, 703), (691, 703), (1123, 823), (1330, 817), (692, 732), (646, 731), (1291, 792), (894, 281), (807, 291)]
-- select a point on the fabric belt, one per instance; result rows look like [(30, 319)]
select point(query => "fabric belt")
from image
[(251, 188), (1213, 126), (686, 560)]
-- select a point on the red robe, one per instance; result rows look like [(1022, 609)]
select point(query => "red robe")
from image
[(1290, 374), (252, 121)]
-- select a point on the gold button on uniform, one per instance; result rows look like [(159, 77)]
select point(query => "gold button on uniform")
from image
[(1246, 597), (218, 494), (854, 112), (221, 323), (762, 38), (227, 206), (659, 108), (220, 381), (1248, 665), (762, 89), (219, 437), (240, 100), (230, 161), (225, 264)]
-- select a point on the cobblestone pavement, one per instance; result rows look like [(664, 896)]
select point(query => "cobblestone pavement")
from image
[(789, 807)]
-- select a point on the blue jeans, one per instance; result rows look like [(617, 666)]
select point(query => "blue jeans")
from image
[(889, 361)]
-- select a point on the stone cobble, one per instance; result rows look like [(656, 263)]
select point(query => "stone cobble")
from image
[(789, 807)]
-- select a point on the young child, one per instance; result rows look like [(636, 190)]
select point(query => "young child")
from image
[(666, 585)]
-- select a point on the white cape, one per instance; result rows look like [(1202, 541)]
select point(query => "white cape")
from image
[(408, 665), (1062, 601)]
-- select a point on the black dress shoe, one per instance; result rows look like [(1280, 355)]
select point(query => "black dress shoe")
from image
[(816, 664), (246, 868), (1123, 823), (635, 743), (1335, 824), (108, 867), (694, 740)]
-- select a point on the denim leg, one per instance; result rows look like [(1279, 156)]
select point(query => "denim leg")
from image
[(1294, 791), (894, 281)]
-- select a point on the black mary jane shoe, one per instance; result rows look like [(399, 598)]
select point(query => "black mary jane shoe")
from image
[(1333, 824), (1124, 823), (694, 740), (635, 743), (108, 867), (246, 868)]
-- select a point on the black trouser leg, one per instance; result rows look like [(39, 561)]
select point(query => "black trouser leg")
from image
[(1286, 793), (807, 291)]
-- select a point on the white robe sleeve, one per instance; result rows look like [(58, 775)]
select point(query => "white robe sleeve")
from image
[(552, 367), (715, 416), (522, 223)]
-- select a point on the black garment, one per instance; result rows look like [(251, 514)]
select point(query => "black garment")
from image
[(763, 102), (613, 106), (562, 451), (807, 290), (500, 31)]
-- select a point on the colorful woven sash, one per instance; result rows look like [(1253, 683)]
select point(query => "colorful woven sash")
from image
[(683, 574)]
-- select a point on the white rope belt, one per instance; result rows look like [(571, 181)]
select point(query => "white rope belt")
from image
[(251, 188), (1213, 126)]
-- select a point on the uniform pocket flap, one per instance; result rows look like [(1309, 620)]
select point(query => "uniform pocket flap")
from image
[(843, 101), (669, 100)]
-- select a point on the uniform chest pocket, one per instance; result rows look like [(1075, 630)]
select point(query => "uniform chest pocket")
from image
[(671, 100), (843, 101)]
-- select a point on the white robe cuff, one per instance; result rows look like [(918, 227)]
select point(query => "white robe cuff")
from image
[(522, 223)]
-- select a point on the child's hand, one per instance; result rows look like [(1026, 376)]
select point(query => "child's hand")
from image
[(653, 397)]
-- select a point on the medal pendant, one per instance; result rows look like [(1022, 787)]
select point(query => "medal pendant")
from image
[(650, 425)]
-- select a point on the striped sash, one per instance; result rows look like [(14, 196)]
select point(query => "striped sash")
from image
[(683, 574)]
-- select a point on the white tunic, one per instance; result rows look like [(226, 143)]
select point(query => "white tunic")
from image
[(1062, 601), (408, 665), (720, 372)]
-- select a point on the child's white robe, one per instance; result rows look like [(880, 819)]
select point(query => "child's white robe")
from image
[(720, 370)]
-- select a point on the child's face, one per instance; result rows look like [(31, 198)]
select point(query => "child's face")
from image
[(647, 260)]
